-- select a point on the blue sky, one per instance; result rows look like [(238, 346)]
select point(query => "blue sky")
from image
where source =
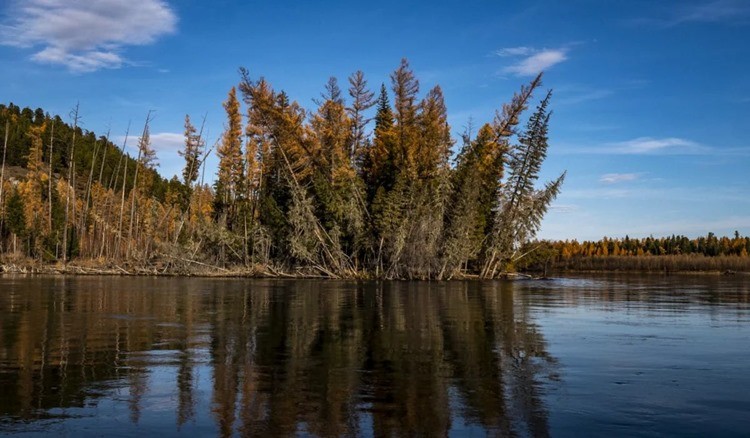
[(651, 99)]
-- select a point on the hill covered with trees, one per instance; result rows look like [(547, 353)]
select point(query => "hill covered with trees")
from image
[(357, 187)]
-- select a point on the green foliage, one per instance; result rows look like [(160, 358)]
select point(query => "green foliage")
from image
[(15, 219), (521, 205)]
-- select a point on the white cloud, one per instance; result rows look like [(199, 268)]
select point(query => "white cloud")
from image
[(160, 141), (85, 35), (514, 51), (614, 178), (702, 11), (167, 141), (534, 61), (650, 145), (734, 195), (713, 12), (84, 62)]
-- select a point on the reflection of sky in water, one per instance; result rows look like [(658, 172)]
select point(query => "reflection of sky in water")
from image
[(675, 362), (608, 354)]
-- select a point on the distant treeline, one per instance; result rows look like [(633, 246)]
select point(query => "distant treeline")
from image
[(357, 187), (709, 245), (673, 253)]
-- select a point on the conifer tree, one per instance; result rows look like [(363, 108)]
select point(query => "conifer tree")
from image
[(337, 185), (31, 189), (231, 166), (522, 207), (434, 146), (475, 189), (192, 153), (362, 100), (15, 217), (379, 169), (405, 89)]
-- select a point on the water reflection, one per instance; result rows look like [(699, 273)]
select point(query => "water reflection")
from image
[(271, 357)]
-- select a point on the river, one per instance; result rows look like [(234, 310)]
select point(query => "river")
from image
[(605, 355)]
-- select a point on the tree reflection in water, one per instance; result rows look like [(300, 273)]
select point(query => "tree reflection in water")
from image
[(275, 357)]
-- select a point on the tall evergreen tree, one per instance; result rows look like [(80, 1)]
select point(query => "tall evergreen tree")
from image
[(522, 206), (192, 153), (405, 89), (362, 100), (231, 167)]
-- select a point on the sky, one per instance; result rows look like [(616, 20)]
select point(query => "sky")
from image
[(651, 100)]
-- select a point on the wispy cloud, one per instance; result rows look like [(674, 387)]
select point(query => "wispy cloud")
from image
[(614, 178), (85, 35), (658, 146), (651, 146), (713, 11), (658, 192), (532, 60), (160, 141), (703, 11), (515, 51), (167, 141)]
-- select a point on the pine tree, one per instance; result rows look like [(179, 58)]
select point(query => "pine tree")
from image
[(379, 168), (435, 142), (405, 89), (522, 207), (15, 217), (337, 186), (362, 100), (192, 153), (475, 185), (32, 189), (231, 166)]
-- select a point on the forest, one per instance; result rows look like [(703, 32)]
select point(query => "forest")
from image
[(665, 254), (358, 187)]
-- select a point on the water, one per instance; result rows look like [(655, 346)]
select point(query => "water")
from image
[(607, 355)]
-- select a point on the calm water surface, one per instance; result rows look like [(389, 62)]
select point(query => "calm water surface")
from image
[(609, 355)]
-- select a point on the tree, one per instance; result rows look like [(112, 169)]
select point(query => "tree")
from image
[(336, 184), (522, 206), (362, 100), (379, 169), (15, 216), (476, 183), (32, 189), (231, 166), (192, 153), (405, 88)]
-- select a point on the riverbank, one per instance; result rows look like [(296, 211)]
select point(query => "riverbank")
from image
[(167, 268), (668, 264), (197, 269)]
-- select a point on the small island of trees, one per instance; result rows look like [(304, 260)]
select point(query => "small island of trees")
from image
[(358, 187)]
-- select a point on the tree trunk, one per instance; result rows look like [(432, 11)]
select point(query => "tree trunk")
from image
[(49, 186), (71, 183)]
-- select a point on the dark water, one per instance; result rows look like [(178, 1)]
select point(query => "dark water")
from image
[(631, 355)]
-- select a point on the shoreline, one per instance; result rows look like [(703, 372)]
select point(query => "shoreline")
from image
[(259, 272)]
